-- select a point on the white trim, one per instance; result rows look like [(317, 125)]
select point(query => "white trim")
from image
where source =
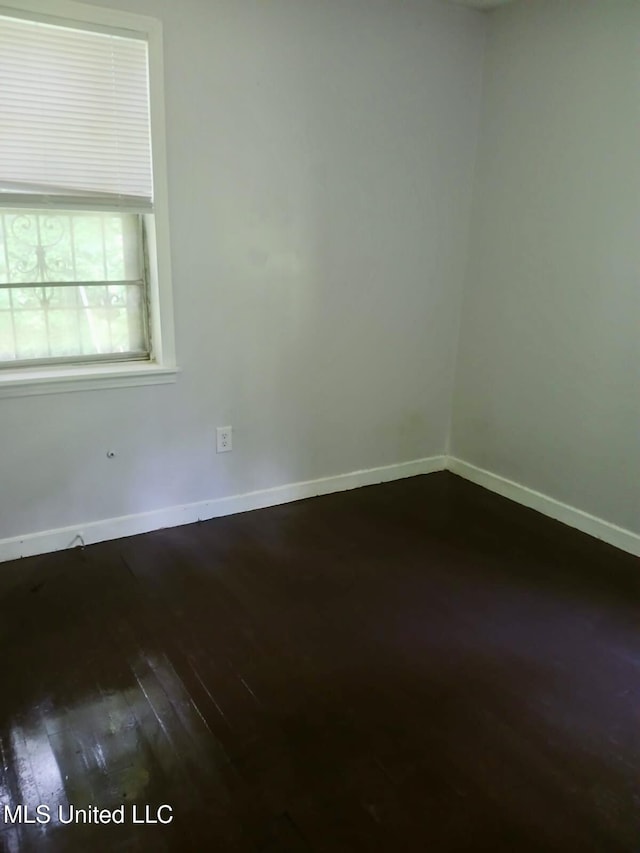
[(158, 232), (69, 12), (621, 538), (57, 379), (130, 525), (101, 202), (46, 541)]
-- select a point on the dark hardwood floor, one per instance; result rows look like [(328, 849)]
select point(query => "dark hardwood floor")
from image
[(418, 666)]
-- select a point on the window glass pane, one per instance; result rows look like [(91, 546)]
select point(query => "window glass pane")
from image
[(43, 314), (31, 337), (71, 321), (7, 344), (38, 246)]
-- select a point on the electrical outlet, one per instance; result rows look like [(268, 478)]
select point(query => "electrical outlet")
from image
[(224, 439)]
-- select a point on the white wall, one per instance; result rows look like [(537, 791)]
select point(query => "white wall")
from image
[(320, 172), (548, 375)]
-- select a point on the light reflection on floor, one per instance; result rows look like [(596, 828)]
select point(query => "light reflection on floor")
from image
[(94, 753)]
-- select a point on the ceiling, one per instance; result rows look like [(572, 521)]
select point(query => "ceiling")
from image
[(480, 4)]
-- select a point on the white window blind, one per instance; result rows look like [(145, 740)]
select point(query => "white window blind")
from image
[(74, 117)]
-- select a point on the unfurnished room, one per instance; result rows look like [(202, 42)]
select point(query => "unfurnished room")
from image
[(320, 426)]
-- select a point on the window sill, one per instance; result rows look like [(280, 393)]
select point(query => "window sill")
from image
[(23, 382)]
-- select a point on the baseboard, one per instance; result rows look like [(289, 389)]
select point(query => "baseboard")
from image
[(626, 540), (44, 542), (115, 528)]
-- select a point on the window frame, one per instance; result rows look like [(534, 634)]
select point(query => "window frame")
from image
[(161, 366)]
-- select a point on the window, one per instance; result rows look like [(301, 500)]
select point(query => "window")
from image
[(84, 263), (72, 287)]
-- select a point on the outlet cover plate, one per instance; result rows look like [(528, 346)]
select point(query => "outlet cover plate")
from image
[(224, 439)]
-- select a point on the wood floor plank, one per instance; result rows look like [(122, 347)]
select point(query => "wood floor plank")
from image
[(415, 666)]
